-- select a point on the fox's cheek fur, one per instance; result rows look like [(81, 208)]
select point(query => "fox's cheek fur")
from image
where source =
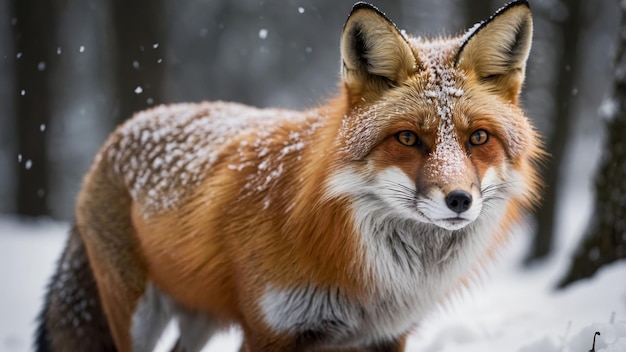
[(392, 191)]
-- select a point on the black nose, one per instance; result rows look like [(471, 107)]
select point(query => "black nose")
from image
[(458, 201)]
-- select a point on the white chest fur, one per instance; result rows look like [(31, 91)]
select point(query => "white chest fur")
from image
[(410, 269)]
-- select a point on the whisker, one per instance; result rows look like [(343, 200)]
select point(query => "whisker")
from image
[(399, 194), (496, 192)]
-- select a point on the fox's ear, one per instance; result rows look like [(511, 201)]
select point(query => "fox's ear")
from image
[(497, 50), (375, 54)]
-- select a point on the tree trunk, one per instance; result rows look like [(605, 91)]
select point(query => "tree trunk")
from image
[(34, 38), (140, 47), (557, 141), (605, 239)]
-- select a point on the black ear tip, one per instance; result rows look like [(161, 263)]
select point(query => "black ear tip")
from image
[(513, 4), (363, 5)]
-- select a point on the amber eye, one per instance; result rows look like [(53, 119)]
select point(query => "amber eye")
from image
[(407, 138), (479, 137)]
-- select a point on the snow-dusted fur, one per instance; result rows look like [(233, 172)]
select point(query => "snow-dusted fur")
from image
[(336, 227)]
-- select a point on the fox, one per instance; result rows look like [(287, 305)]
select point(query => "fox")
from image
[(339, 227)]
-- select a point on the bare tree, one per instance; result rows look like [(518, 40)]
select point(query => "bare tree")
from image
[(34, 38), (605, 239), (562, 121), (139, 54)]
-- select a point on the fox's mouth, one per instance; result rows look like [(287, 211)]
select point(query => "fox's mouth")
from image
[(455, 223), (455, 220), (452, 223)]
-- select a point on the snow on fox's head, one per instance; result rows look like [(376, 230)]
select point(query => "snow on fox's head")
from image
[(433, 131)]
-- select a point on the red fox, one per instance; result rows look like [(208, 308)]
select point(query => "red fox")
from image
[(338, 227)]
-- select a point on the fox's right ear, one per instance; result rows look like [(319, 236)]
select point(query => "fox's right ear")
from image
[(497, 49), (375, 55)]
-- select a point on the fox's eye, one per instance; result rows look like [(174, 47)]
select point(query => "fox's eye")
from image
[(407, 138), (479, 137)]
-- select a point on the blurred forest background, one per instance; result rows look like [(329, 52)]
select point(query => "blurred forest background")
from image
[(71, 70)]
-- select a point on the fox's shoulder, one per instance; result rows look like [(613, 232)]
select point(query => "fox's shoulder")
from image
[(163, 153)]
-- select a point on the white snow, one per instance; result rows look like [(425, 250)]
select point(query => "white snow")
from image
[(443, 91), (263, 33), (163, 153), (470, 32), (608, 108), (515, 310), (28, 252)]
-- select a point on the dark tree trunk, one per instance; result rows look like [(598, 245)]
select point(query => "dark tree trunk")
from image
[(557, 141), (605, 239), (140, 50), (34, 38)]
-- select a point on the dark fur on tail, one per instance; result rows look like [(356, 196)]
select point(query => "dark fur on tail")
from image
[(72, 318)]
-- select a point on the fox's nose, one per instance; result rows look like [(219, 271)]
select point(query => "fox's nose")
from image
[(459, 201)]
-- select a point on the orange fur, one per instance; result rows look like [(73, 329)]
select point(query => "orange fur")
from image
[(224, 208)]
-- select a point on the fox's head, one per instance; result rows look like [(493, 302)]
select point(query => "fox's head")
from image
[(432, 129)]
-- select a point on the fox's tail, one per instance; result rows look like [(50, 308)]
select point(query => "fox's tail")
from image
[(72, 318)]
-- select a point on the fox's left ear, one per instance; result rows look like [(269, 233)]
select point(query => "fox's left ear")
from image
[(497, 50), (375, 55)]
